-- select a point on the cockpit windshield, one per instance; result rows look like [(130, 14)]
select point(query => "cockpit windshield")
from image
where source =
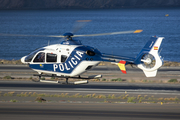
[(31, 55)]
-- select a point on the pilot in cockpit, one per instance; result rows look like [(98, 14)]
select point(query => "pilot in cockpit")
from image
[(40, 57)]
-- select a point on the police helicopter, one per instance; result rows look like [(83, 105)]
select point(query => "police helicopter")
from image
[(70, 58)]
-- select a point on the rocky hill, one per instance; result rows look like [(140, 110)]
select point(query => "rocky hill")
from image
[(86, 4)]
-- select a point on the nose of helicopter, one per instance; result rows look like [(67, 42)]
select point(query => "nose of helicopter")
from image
[(23, 59)]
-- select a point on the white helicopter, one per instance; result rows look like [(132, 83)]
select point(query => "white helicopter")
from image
[(70, 59)]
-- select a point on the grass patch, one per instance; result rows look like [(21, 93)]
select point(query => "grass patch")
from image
[(169, 64), (43, 78), (173, 80), (8, 94), (101, 96), (138, 97), (118, 79), (24, 94), (7, 77), (88, 96), (131, 99), (132, 81), (14, 62), (14, 100), (77, 95), (125, 97), (97, 79), (5, 94), (141, 99), (107, 97), (145, 81)]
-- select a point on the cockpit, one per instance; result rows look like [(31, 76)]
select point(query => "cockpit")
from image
[(31, 55), (44, 56)]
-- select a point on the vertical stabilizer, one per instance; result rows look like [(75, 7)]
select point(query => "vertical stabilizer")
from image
[(149, 59)]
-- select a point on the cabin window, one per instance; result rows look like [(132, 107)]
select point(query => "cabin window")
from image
[(51, 57), (40, 57), (63, 58)]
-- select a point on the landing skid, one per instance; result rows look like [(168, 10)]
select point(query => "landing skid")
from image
[(67, 82)]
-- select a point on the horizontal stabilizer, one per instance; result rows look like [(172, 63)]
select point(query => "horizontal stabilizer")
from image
[(122, 67)]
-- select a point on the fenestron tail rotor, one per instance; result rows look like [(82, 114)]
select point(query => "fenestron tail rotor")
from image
[(148, 61)]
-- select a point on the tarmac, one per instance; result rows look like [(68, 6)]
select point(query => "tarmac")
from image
[(14, 107), (88, 111)]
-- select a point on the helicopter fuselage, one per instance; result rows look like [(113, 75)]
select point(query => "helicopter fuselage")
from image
[(70, 58)]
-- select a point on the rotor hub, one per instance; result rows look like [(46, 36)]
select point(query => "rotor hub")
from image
[(148, 61), (68, 36)]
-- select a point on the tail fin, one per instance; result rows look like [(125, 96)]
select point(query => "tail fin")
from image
[(148, 59)]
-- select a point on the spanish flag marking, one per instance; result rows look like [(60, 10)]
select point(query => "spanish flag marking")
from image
[(121, 65), (155, 48)]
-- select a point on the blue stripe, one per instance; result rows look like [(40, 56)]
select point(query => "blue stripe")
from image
[(77, 56)]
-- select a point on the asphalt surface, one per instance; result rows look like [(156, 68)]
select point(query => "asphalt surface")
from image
[(90, 111), (92, 87)]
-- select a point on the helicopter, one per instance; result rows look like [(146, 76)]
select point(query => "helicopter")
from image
[(70, 58)]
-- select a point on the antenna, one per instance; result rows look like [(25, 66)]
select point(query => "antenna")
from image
[(160, 50), (48, 42)]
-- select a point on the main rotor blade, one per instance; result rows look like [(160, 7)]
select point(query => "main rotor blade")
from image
[(61, 36), (20, 35), (112, 33), (79, 24)]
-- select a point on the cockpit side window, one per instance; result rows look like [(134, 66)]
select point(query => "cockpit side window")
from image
[(51, 57), (40, 57), (63, 58)]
